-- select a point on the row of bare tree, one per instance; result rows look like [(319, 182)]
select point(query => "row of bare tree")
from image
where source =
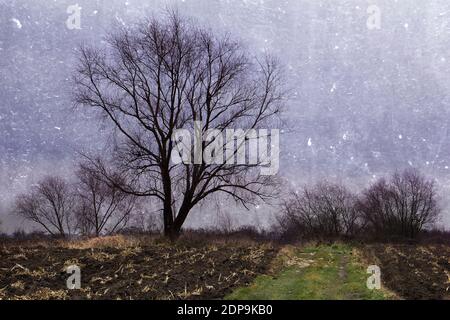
[(89, 206), (401, 206)]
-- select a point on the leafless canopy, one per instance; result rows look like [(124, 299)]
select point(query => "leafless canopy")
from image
[(402, 206), (323, 210), (48, 204), (102, 208), (163, 75)]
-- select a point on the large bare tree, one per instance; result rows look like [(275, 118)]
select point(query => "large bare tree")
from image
[(167, 74), (50, 204)]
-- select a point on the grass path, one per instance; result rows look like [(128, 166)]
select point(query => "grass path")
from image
[(313, 272)]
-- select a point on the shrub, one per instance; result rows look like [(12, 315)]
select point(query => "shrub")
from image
[(400, 207), (325, 210), (48, 204)]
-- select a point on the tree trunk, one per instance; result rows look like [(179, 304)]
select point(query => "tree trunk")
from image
[(168, 221), (172, 233), (172, 227)]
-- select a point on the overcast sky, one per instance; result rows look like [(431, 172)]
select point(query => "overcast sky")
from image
[(367, 101)]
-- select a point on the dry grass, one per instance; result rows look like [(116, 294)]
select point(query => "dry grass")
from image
[(116, 241)]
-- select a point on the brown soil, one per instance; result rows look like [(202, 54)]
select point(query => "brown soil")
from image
[(152, 271), (413, 272)]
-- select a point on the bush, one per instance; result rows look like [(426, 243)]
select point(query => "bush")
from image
[(401, 207), (48, 204), (435, 236), (325, 210)]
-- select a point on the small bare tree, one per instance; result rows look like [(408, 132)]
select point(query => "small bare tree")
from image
[(323, 210), (102, 208), (402, 206), (49, 204), (168, 74)]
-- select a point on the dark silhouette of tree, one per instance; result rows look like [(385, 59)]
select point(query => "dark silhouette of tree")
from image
[(102, 208), (50, 204), (324, 210), (163, 75), (401, 206)]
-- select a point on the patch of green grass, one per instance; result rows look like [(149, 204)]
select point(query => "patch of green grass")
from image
[(313, 273)]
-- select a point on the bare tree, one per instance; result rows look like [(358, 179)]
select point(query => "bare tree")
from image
[(167, 74), (323, 210), (224, 221), (102, 208), (49, 204), (402, 206)]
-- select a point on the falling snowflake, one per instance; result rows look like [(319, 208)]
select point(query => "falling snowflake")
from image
[(17, 23)]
